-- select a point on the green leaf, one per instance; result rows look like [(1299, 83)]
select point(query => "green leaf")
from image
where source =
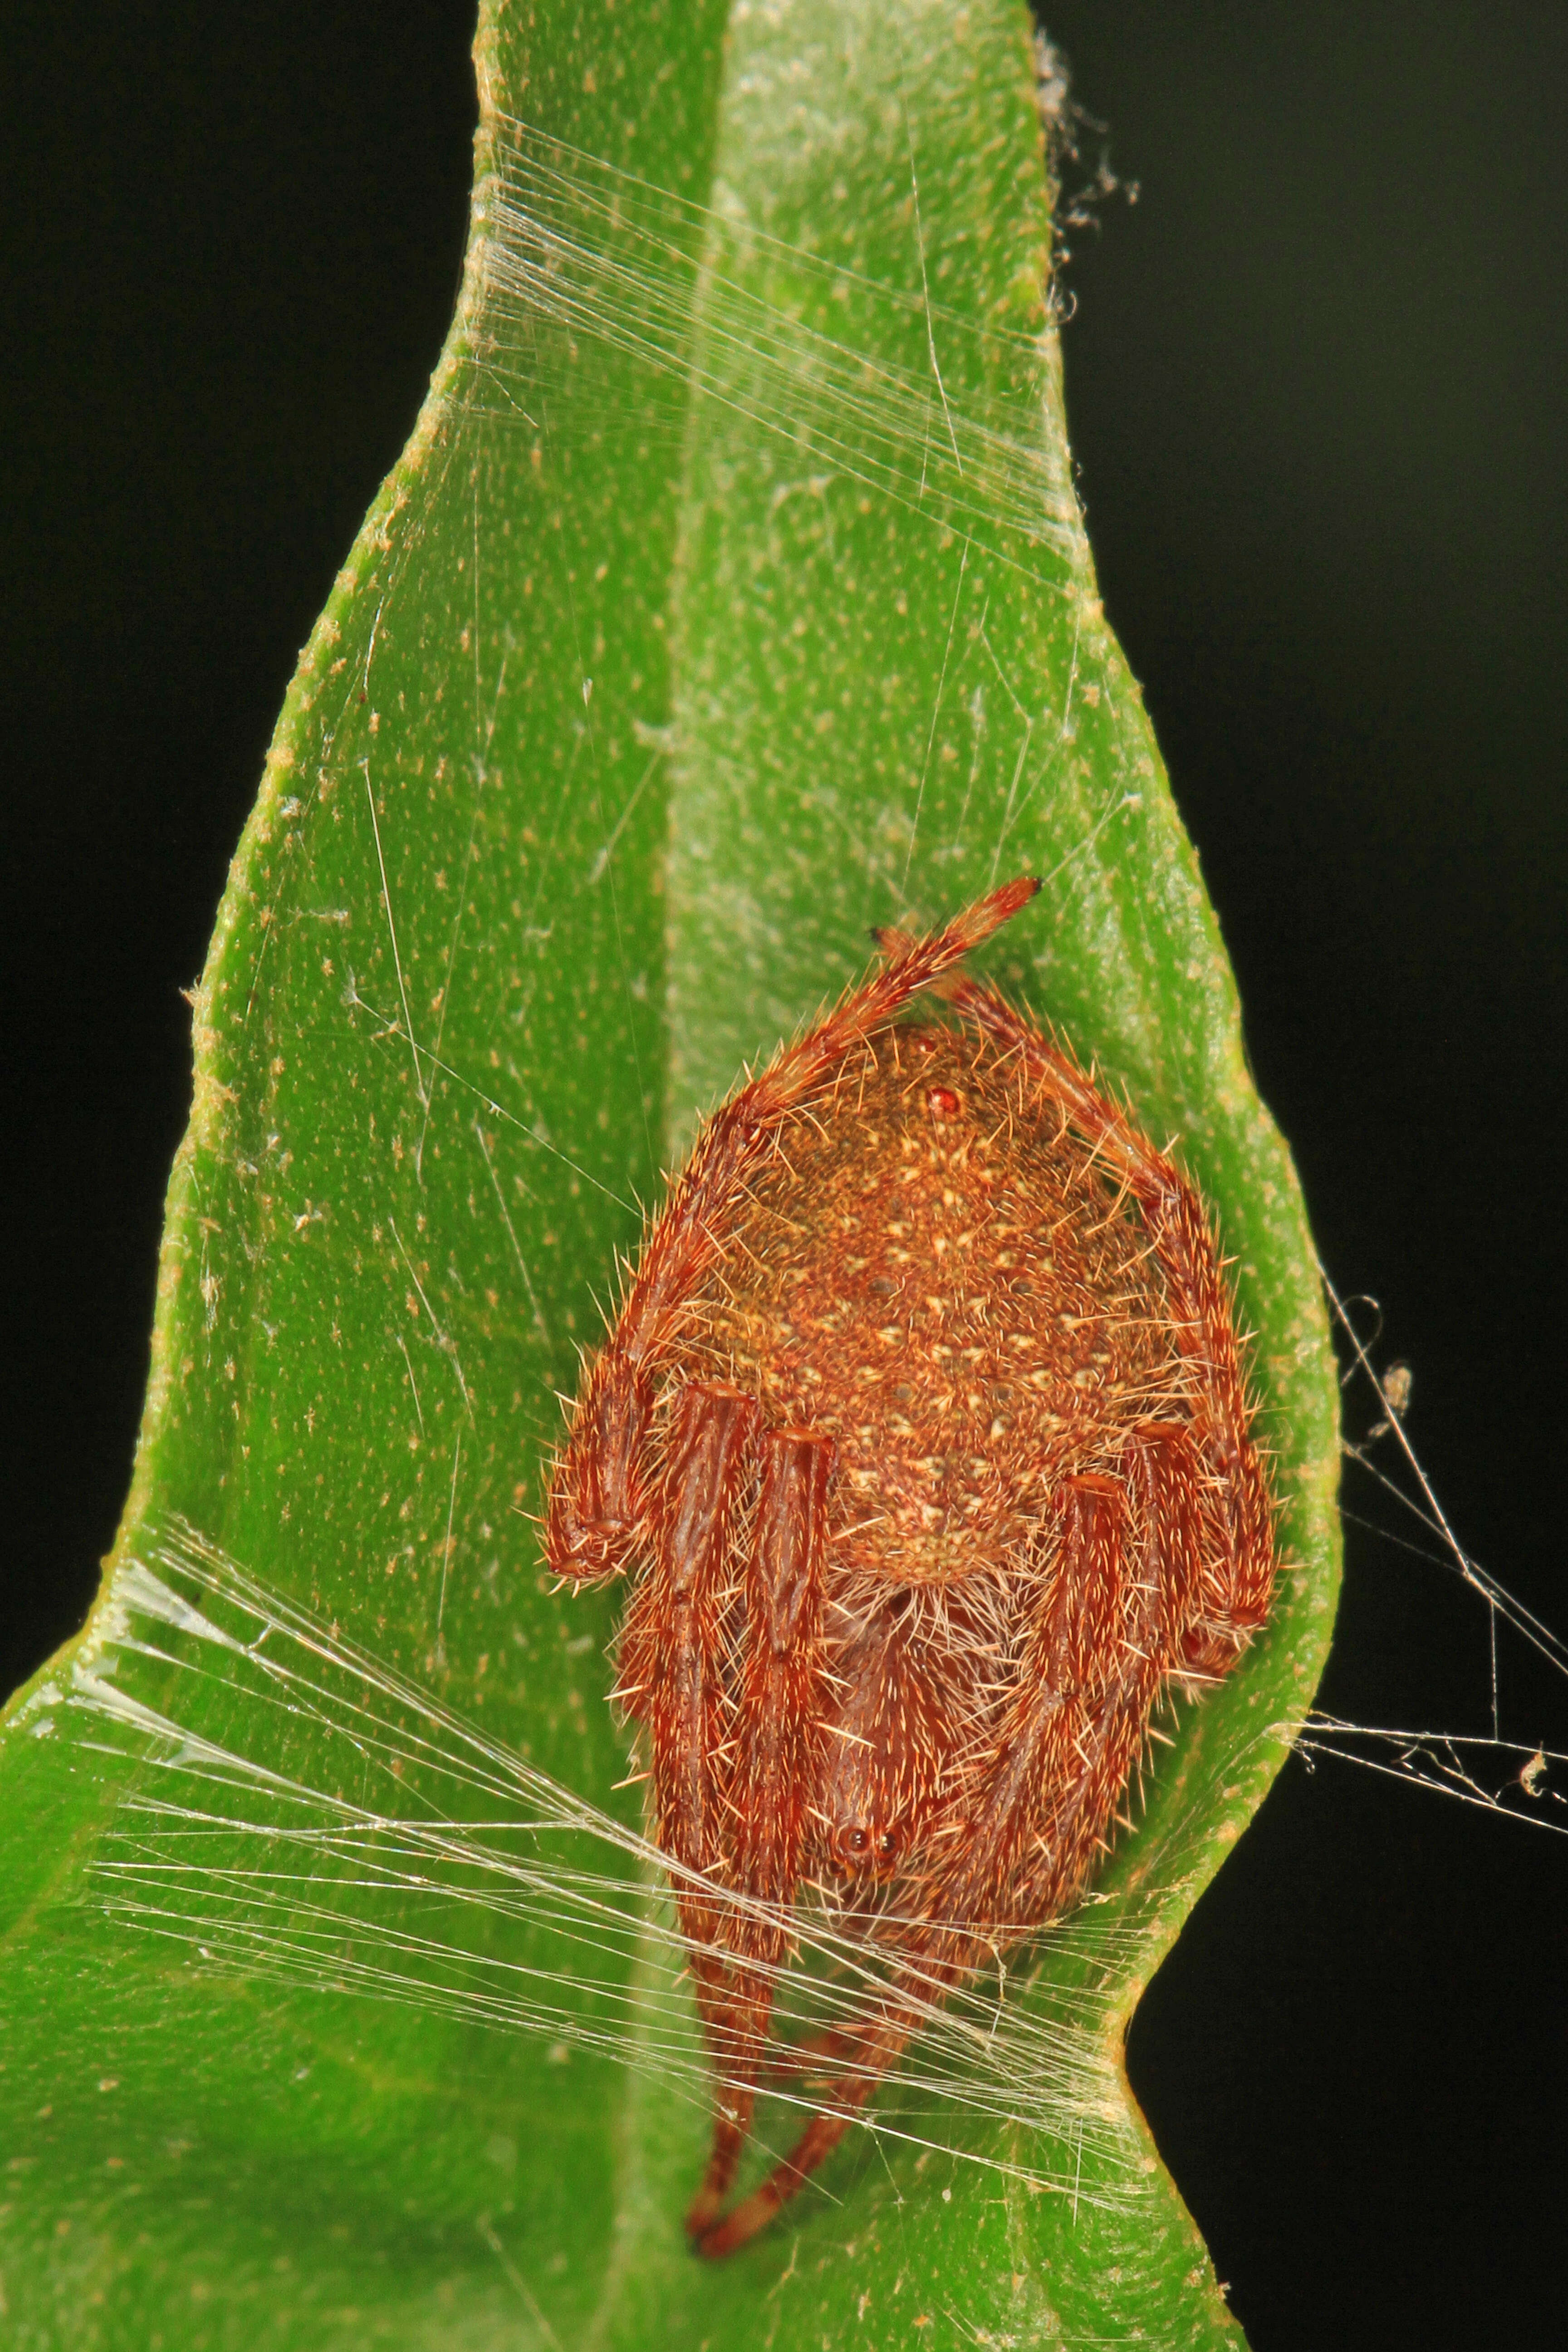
[(730, 596)]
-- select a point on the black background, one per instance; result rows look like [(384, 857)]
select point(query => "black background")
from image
[(1315, 389)]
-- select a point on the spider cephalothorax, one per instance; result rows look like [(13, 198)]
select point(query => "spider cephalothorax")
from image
[(921, 1438)]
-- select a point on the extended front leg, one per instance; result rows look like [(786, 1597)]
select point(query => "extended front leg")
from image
[(776, 1765)]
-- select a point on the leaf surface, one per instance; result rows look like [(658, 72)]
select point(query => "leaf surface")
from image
[(730, 597)]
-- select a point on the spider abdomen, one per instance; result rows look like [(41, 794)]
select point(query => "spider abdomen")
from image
[(931, 1269)]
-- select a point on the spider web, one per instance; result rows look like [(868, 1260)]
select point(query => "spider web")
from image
[(426, 1864), (1522, 1779)]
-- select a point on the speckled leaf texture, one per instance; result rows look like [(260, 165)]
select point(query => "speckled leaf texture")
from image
[(730, 597)]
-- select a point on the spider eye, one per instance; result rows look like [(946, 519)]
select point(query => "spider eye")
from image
[(857, 1840), (942, 1103)]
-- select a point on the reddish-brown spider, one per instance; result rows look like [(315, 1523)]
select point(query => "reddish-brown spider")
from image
[(922, 1439)]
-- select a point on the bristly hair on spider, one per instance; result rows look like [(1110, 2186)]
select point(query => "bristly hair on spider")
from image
[(921, 1441)]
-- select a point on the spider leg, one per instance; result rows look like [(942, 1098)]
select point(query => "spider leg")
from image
[(816, 2057), (596, 1519), (672, 1650), (781, 1707), (1042, 1729), (1128, 1572), (1062, 1756), (1209, 1609)]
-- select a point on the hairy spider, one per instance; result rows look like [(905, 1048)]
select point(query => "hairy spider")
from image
[(922, 1439)]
